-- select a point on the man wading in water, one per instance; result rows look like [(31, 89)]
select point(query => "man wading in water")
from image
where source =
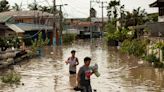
[(73, 62), (83, 76)]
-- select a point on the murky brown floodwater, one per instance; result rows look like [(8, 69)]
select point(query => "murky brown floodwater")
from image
[(119, 73)]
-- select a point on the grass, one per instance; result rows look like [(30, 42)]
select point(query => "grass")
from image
[(11, 77)]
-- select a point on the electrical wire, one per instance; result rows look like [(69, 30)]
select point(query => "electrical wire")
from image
[(76, 8), (44, 24)]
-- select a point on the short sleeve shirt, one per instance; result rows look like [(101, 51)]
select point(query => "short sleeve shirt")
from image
[(84, 73)]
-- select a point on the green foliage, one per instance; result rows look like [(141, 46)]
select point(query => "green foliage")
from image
[(117, 35), (159, 45), (113, 9), (153, 17), (137, 17), (33, 6), (9, 42), (4, 5), (11, 77), (151, 58), (68, 37), (159, 64), (93, 12), (46, 9), (110, 27), (16, 7), (134, 47), (39, 43)]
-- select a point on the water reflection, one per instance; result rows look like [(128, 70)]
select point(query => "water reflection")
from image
[(72, 80), (119, 72)]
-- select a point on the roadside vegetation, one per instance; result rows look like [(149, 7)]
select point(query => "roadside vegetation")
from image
[(69, 38), (11, 78), (120, 31)]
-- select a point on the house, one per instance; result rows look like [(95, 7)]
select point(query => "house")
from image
[(27, 24), (156, 29), (5, 31), (34, 16), (160, 5), (30, 31), (84, 27), (89, 29)]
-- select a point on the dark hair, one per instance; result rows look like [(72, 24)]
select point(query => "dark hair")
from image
[(73, 51), (87, 59)]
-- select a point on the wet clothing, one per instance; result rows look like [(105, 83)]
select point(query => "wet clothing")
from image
[(71, 72), (86, 88), (72, 65), (84, 74)]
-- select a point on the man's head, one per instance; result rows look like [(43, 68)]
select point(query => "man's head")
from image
[(87, 61), (73, 52)]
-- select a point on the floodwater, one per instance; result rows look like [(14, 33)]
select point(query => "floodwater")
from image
[(119, 72)]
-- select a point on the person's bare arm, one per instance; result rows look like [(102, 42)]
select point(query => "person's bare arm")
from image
[(77, 61), (67, 61), (78, 77)]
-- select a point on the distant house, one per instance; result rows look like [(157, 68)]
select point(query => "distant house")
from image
[(89, 29), (5, 31), (83, 26), (27, 24), (160, 5), (157, 28), (34, 16)]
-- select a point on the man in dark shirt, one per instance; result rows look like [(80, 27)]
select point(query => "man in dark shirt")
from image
[(83, 77)]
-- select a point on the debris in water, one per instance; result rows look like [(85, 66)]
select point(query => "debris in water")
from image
[(52, 53)]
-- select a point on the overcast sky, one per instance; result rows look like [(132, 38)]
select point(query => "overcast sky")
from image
[(80, 8)]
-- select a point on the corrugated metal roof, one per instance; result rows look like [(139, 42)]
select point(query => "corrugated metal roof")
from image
[(32, 27), (15, 28), (23, 27), (157, 3), (25, 13), (4, 19)]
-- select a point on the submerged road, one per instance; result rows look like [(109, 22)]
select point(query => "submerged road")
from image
[(119, 72)]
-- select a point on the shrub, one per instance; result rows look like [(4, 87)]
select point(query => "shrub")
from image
[(158, 64), (11, 77), (135, 47), (69, 37), (117, 35), (39, 43), (151, 58)]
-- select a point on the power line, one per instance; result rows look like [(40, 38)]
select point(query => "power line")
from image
[(44, 24), (74, 8)]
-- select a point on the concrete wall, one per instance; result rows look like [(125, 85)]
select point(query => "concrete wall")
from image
[(160, 18)]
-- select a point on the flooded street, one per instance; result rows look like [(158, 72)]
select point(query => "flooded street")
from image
[(119, 72)]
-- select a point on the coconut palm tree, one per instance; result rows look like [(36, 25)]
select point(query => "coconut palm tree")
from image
[(16, 7), (33, 6), (4, 5), (137, 17), (113, 9), (45, 9)]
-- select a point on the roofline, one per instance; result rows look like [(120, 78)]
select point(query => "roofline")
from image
[(154, 4), (157, 3)]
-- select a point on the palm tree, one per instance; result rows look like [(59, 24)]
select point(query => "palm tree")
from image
[(16, 7), (92, 12), (4, 6), (46, 9), (137, 17), (112, 9), (33, 6)]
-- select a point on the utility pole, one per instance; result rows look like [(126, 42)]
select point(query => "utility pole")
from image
[(90, 27), (61, 23), (55, 37), (102, 7)]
